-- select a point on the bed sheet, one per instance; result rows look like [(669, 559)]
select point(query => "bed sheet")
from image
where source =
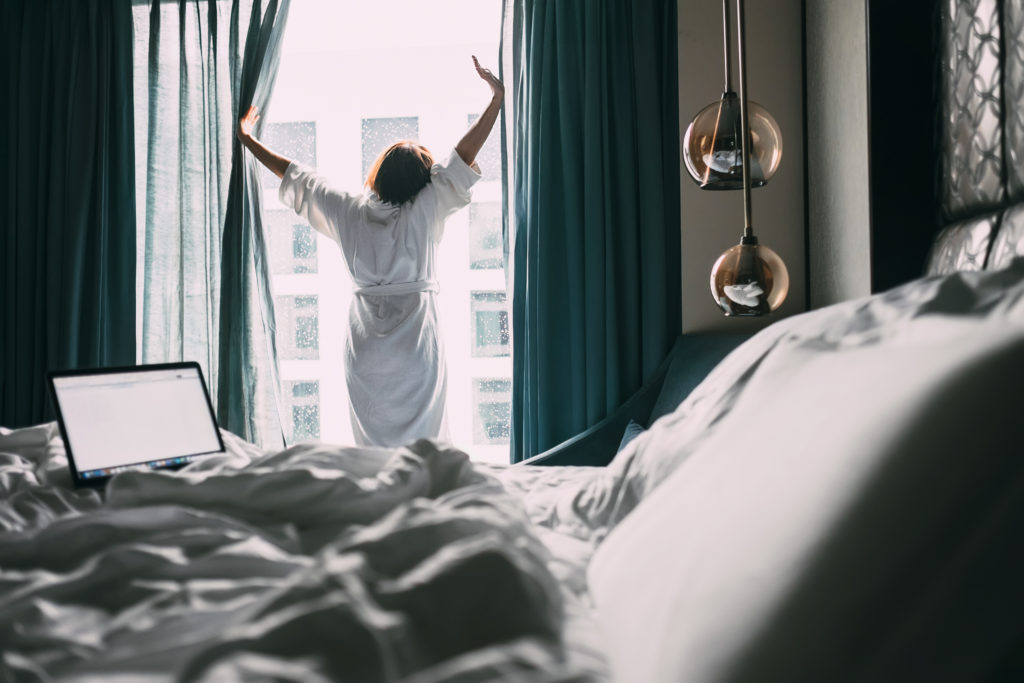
[(313, 563), (559, 506)]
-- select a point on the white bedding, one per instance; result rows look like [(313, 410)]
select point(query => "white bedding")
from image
[(840, 500), (313, 563), (557, 504), (328, 563)]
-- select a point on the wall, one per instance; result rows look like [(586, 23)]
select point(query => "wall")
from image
[(713, 221), (837, 161), (871, 145)]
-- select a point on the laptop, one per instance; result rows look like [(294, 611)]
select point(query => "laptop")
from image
[(144, 417)]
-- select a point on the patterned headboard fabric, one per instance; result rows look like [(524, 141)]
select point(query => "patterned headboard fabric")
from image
[(981, 135)]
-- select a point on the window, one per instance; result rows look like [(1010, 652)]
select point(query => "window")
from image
[(493, 401), (295, 140), (307, 334), (379, 134), (490, 324), (303, 242), (292, 247), (307, 329), (421, 86), (298, 327), (489, 157), (303, 405), (485, 246), (305, 422)]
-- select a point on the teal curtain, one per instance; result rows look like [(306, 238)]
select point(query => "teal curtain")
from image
[(67, 231), (185, 72), (247, 398), (204, 280), (594, 203)]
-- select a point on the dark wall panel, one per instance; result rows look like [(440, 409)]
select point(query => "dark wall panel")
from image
[(902, 77)]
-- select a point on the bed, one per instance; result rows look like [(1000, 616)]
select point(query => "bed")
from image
[(838, 500), (775, 526)]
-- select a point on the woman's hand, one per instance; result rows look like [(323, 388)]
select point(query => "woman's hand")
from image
[(246, 124), (471, 143), (272, 160), (497, 87)]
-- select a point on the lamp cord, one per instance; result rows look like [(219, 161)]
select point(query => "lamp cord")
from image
[(748, 228), (727, 43)]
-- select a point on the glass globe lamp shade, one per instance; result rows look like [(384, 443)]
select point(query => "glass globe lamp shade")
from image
[(712, 150), (749, 279)]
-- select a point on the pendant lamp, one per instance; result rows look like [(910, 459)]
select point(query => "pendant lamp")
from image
[(748, 279), (712, 147)]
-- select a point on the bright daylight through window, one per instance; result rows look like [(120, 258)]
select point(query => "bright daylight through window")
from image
[(353, 78)]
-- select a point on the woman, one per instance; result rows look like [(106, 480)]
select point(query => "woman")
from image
[(395, 365)]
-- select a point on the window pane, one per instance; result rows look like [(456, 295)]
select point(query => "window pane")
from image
[(379, 134), (298, 329), (294, 140), (306, 421), (307, 335), (292, 246), (302, 405), (300, 389), (485, 248), (489, 157), (490, 324), (495, 386), (304, 243), (492, 399), (491, 328)]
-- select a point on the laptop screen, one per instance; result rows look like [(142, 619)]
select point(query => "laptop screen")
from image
[(145, 417)]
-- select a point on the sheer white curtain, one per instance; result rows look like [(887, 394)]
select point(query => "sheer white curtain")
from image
[(201, 281)]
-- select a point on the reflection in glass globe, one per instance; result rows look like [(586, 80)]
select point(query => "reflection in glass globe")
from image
[(749, 280), (712, 150)]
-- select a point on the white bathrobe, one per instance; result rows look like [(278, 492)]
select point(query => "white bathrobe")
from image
[(395, 365)]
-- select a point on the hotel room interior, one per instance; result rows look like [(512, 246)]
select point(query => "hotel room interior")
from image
[(830, 491)]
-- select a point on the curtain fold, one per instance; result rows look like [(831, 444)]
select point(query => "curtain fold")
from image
[(594, 204), (247, 397), (184, 60), (67, 234), (204, 280)]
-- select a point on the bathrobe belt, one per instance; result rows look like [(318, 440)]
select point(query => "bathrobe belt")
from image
[(396, 288)]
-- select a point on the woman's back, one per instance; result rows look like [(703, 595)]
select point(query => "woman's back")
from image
[(382, 243)]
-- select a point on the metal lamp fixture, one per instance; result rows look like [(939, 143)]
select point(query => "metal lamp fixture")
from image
[(748, 279), (712, 144)]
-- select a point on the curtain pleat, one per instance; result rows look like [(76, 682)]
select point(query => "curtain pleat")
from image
[(595, 208), (67, 233), (185, 136), (205, 283), (247, 397)]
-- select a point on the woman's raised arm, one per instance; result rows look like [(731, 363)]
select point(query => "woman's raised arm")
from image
[(471, 143), (266, 156)]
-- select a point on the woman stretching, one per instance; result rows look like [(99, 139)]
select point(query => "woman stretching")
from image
[(395, 365)]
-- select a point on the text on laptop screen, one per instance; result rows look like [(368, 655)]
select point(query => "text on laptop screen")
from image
[(121, 419)]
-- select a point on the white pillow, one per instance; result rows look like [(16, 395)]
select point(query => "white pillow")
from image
[(824, 530), (995, 296)]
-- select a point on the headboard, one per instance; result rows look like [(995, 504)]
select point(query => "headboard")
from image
[(980, 135)]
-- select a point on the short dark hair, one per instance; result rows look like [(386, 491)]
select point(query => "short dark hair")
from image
[(400, 172)]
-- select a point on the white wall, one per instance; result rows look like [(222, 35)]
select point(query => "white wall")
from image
[(713, 221), (837, 160)]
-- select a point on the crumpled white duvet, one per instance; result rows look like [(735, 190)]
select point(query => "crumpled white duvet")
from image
[(314, 563)]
